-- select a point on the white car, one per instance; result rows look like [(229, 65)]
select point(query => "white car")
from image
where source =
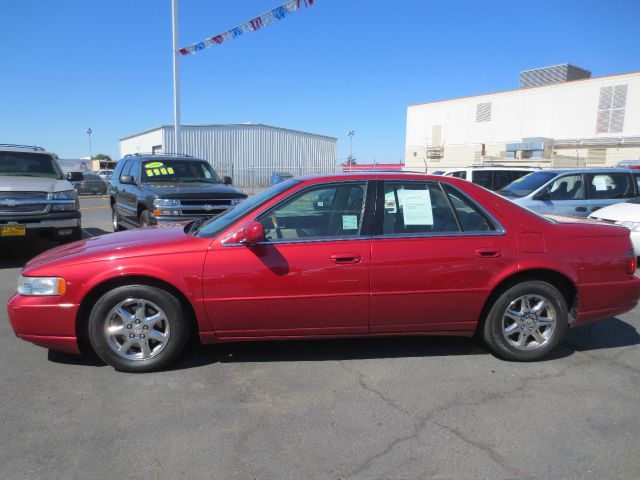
[(626, 214)]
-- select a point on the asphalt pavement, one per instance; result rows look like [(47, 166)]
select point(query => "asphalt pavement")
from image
[(398, 408)]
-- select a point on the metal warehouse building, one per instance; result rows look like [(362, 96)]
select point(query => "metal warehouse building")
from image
[(559, 117), (249, 153)]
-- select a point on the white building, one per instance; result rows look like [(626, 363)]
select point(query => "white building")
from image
[(249, 153), (562, 122)]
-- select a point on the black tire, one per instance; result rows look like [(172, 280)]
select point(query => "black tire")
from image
[(143, 220), (115, 220), (532, 350), (102, 312)]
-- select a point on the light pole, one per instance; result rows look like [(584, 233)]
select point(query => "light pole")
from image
[(89, 132), (351, 133), (176, 79)]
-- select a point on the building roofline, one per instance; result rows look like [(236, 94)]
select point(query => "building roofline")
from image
[(558, 65), (262, 125), (570, 82)]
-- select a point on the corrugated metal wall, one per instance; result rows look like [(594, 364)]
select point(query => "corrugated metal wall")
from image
[(251, 153)]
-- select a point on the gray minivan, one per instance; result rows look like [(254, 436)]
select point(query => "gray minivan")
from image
[(574, 192)]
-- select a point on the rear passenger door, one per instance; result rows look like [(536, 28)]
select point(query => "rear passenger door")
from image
[(433, 256), (607, 188)]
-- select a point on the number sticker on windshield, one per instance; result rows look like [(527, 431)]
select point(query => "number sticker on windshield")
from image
[(154, 165)]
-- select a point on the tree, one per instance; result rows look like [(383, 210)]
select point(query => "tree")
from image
[(351, 160), (102, 156)]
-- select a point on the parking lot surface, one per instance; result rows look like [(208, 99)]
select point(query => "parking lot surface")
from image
[(398, 408)]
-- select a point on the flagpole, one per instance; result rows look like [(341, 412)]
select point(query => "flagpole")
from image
[(176, 79)]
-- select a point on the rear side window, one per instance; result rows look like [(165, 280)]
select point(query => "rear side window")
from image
[(461, 174), (502, 178), (482, 178), (416, 207), (610, 185), (471, 218), (637, 177)]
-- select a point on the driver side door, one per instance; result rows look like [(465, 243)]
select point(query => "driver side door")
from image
[(309, 277)]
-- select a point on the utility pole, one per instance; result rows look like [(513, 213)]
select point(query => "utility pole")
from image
[(351, 133), (176, 80)]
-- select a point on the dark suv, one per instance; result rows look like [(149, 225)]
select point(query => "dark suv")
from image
[(155, 189)]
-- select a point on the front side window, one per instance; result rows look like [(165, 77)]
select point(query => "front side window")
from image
[(321, 212), (610, 185), (416, 207), (569, 187), (135, 170), (482, 178)]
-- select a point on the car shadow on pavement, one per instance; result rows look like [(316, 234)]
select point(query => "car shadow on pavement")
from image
[(610, 333), (94, 232), (15, 253)]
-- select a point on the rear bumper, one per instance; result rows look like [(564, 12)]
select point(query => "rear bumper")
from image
[(44, 322), (598, 301)]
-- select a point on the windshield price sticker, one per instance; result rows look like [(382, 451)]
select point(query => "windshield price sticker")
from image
[(416, 207)]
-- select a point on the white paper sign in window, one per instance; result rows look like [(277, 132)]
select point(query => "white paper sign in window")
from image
[(349, 222), (416, 207), (600, 183)]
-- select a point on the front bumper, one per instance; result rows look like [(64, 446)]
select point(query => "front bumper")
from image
[(166, 220), (51, 225), (44, 321)]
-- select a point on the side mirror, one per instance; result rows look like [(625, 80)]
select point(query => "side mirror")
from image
[(126, 179), (227, 180), (249, 234), (543, 195)]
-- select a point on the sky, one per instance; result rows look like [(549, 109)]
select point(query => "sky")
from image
[(67, 65)]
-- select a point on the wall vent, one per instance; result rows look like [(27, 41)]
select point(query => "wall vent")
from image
[(483, 112), (611, 107)]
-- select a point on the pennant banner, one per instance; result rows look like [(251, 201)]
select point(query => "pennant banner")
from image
[(257, 23)]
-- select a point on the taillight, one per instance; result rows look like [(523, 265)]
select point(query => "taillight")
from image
[(631, 262)]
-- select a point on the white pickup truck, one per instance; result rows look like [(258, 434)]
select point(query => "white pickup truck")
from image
[(36, 200)]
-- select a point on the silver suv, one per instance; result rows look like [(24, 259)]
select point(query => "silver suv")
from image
[(35, 198)]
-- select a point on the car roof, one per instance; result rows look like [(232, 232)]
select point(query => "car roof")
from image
[(559, 171), (373, 175), (163, 156)]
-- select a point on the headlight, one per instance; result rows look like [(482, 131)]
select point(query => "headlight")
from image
[(166, 202), (41, 286), (71, 201), (633, 226)]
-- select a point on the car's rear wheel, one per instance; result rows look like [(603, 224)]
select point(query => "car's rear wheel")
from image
[(526, 321), (143, 221), (138, 328)]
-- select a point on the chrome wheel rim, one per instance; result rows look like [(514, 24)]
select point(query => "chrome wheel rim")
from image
[(528, 322), (137, 329)]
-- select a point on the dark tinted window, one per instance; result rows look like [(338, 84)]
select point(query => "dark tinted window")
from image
[(482, 178), (170, 170), (502, 178), (610, 185), (637, 177), (471, 218), (525, 185), (416, 207), (461, 174), (29, 164), (327, 211)]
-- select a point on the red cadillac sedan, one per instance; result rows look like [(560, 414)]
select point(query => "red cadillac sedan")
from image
[(327, 256)]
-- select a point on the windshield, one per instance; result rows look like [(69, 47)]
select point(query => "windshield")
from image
[(178, 171), (27, 164), (217, 225), (527, 184)]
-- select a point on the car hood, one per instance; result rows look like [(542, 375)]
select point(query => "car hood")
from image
[(10, 183), (620, 212), (193, 190), (163, 240)]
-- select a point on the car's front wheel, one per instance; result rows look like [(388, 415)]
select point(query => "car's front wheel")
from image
[(526, 321), (138, 328), (144, 221)]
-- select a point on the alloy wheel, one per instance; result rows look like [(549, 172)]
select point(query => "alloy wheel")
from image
[(528, 322)]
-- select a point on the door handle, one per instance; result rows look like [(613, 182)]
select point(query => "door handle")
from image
[(345, 258), (581, 209), (489, 252)]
